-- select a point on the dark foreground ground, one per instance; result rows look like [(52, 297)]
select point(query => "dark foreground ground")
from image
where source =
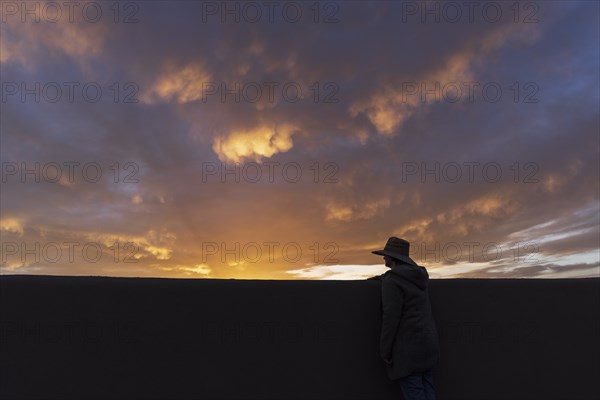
[(90, 338)]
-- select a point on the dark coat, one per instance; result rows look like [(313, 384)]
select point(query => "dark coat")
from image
[(409, 337)]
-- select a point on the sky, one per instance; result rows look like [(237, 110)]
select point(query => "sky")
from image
[(287, 140)]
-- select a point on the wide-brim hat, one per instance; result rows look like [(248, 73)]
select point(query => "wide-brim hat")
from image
[(396, 248)]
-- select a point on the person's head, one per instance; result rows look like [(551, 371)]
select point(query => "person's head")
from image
[(390, 261), (395, 252)]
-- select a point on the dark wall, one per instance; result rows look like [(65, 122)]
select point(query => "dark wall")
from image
[(125, 338)]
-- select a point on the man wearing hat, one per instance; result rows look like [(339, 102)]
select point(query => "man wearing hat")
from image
[(409, 342)]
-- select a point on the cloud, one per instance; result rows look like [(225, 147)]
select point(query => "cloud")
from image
[(361, 210), (263, 141), (390, 108), (539, 271), (181, 84), (201, 270), (12, 224), (158, 244), (31, 43), (338, 272)]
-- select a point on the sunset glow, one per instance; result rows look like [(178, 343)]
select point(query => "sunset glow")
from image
[(166, 140)]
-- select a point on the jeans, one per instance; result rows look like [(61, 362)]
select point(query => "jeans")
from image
[(418, 386)]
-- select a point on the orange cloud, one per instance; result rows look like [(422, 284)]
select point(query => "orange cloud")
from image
[(11, 224), (363, 210), (263, 141), (391, 106), (182, 84), (28, 42)]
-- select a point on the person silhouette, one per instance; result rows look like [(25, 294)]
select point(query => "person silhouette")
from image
[(409, 343)]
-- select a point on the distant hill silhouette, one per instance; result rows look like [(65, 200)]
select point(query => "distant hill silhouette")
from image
[(144, 338)]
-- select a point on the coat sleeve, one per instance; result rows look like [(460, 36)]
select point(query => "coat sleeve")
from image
[(391, 300)]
